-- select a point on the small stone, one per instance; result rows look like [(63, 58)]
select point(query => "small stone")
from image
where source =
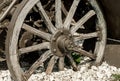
[(101, 73), (94, 68)]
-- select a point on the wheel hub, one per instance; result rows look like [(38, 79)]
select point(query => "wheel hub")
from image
[(60, 42)]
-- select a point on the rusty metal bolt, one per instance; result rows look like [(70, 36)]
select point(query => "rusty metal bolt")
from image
[(70, 35), (61, 31), (54, 39), (54, 50)]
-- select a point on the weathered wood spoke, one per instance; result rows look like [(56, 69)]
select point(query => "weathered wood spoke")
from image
[(37, 32), (82, 21), (46, 18), (51, 64), (85, 53), (72, 62), (45, 45), (43, 57), (2, 59), (66, 12), (61, 63), (58, 14), (71, 14), (64, 9), (85, 36)]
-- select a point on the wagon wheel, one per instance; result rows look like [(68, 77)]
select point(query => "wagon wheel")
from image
[(71, 33)]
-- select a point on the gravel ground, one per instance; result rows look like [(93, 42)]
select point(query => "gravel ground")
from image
[(100, 73)]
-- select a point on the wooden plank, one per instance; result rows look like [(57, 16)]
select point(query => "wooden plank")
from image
[(112, 55)]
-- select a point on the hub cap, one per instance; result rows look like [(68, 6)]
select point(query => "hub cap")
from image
[(60, 42)]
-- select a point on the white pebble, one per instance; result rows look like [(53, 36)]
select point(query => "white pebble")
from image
[(101, 73)]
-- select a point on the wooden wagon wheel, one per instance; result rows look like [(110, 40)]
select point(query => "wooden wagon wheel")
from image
[(67, 33)]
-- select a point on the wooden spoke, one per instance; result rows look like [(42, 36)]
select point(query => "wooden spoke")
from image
[(72, 62), (58, 14), (45, 18), (51, 64), (37, 32), (82, 21), (83, 52), (71, 14), (45, 45), (61, 63), (86, 36), (66, 12), (2, 59), (64, 9), (43, 57)]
